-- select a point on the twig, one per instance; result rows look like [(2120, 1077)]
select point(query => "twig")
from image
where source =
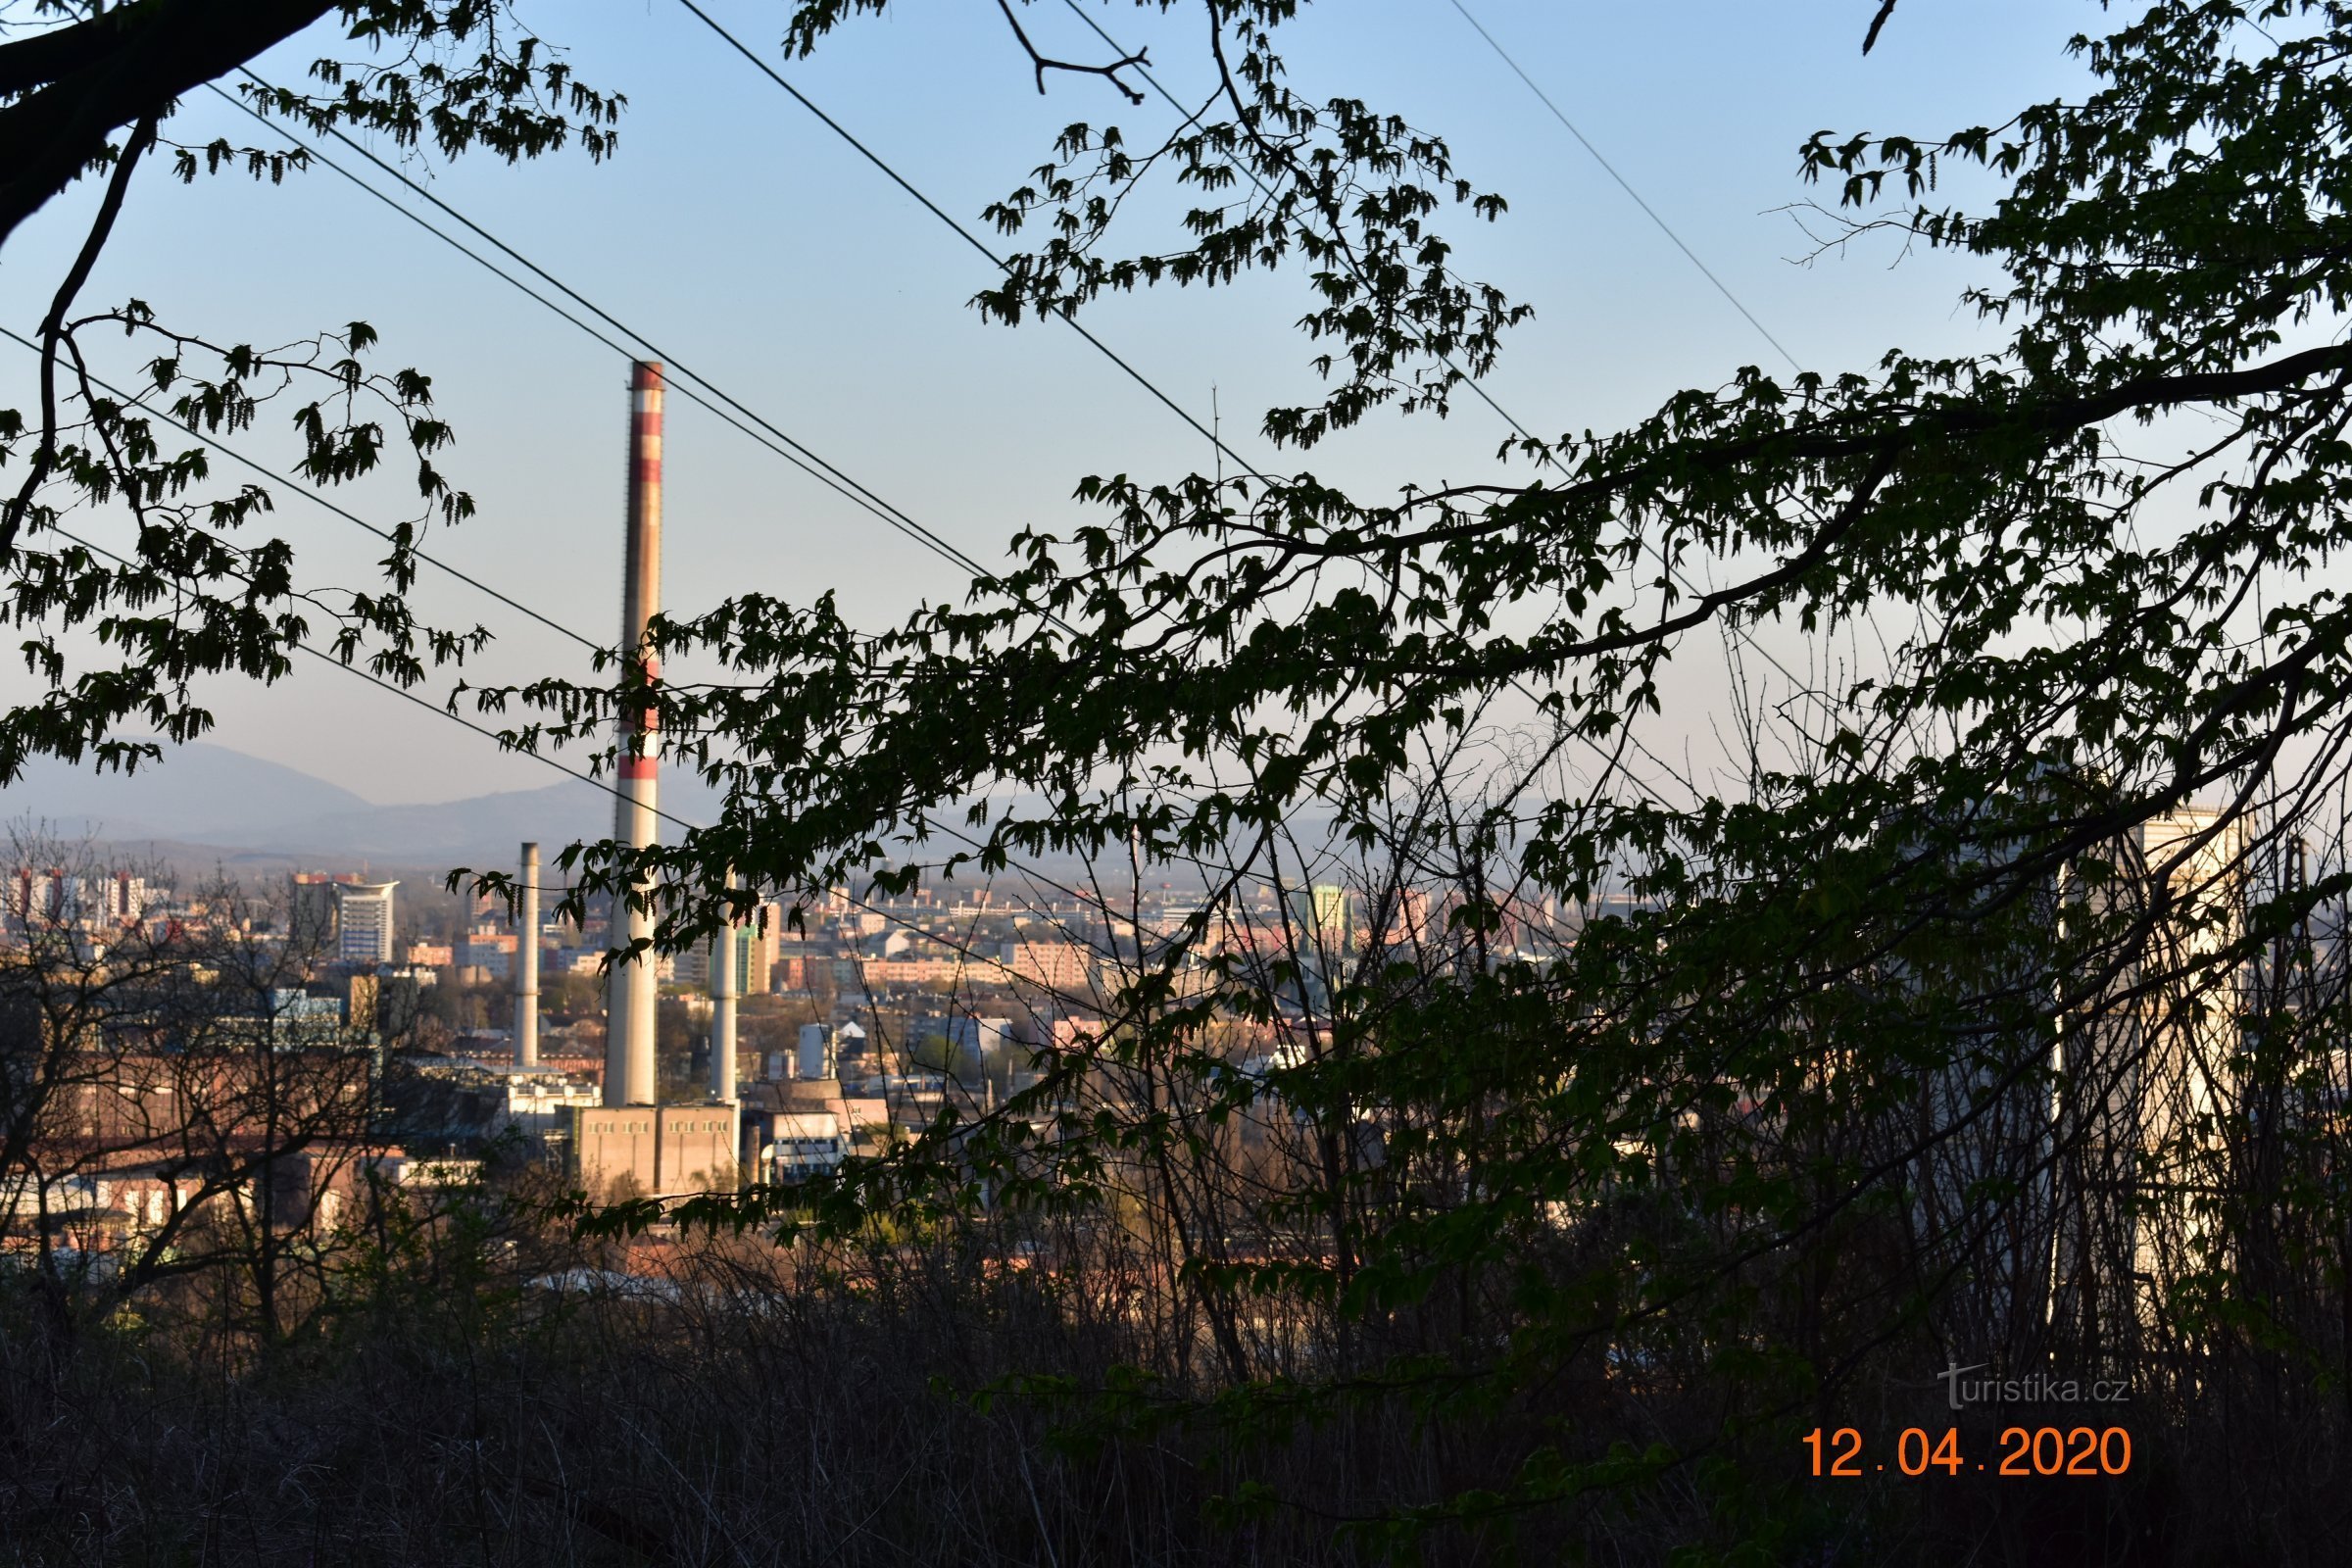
[(1885, 9), (1109, 72)]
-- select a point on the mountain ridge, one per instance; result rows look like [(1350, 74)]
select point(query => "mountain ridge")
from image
[(207, 796)]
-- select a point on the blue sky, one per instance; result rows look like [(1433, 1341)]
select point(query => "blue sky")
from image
[(742, 237)]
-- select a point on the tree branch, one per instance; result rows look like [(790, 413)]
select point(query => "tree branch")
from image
[(38, 60), (1109, 72), (148, 55), (53, 325), (1885, 9)]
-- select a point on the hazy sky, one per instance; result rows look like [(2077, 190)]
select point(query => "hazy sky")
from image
[(744, 237)]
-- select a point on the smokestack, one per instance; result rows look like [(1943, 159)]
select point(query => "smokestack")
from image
[(725, 987), (526, 965), (629, 1009)]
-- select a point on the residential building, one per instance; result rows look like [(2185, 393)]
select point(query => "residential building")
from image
[(364, 921)]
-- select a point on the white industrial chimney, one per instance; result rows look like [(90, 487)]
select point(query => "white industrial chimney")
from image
[(725, 986), (526, 963)]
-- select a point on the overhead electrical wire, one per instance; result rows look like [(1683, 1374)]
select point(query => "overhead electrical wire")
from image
[(1213, 436), (734, 412), (834, 478), (711, 397), (1624, 185), (459, 574), (357, 521), (1477, 387), (407, 696), (969, 238)]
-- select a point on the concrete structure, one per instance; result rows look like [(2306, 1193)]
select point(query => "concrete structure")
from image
[(490, 951), (629, 1009), (754, 956), (540, 1102), (526, 963), (631, 1138), (815, 1054), (1062, 967), (756, 945), (656, 1148), (981, 1037), (361, 998), (796, 1145), (2151, 1081), (364, 921), (724, 990), (1328, 915), (55, 899)]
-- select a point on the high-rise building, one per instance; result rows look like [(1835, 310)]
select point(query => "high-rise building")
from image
[(310, 910), (1326, 917), (364, 921), (755, 958), (35, 900), (491, 951), (1062, 967), (755, 967)]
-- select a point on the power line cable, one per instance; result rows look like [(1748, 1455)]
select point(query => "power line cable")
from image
[(712, 398), (969, 237), (834, 478), (1251, 174), (1213, 436), (1472, 383), (460, 575), (1664, 228), (883, 166), (233, 454), (407, 696), (1624, 185)]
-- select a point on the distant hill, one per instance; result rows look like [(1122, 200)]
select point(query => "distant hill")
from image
[(205, 804), (198, 794), (204, 795)]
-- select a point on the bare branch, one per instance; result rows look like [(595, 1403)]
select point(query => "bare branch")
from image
[(53, 325), (1885, 9), (1043, 64)]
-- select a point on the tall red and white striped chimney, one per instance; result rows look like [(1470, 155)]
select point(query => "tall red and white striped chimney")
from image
[(629, 1009)]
